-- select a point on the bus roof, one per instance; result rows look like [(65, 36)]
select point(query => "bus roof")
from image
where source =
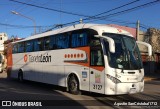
[(100, 28)]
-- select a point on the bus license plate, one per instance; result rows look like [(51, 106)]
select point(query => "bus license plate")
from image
[(132, 90)]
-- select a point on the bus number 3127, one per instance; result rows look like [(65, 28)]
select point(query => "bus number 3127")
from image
[(95, 86)]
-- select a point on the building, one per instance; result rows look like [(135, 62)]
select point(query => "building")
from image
[(3, 38)]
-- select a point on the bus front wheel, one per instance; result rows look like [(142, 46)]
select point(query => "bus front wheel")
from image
[(73, 85)]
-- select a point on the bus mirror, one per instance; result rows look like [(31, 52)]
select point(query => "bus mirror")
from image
[(147, 45), (110, 41)]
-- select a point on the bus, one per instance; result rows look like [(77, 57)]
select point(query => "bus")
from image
[(83, 57)]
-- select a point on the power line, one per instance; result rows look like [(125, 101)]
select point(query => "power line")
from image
[(113, 9), (92, 17), (51, 9), (88, 17), (127, 10), (114, 14)]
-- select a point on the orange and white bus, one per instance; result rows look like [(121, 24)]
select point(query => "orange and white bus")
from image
[(89, 57)]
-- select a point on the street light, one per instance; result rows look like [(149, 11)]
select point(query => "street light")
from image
[(16, 13)]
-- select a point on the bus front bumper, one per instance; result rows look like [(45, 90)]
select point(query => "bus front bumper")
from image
[(124, 88)]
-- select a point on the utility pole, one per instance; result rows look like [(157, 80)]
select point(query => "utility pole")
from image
[(137, 29)]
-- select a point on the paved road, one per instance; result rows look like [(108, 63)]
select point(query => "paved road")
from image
[(14, 90)]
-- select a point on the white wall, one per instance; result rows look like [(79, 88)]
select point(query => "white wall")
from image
[(3, 38)]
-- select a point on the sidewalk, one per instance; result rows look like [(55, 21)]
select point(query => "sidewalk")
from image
[(3, 75)]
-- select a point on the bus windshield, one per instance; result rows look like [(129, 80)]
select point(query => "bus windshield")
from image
[(126, 56)]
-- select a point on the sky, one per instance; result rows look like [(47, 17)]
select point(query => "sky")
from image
[(74, 10)]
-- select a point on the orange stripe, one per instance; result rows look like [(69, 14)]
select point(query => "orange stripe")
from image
[(9, 56), (87, 64)]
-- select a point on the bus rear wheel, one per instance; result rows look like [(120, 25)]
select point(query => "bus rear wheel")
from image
[(20, 76), (73, 85)]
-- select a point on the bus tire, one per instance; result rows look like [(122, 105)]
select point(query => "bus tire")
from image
[(20, 76), (73, 85)]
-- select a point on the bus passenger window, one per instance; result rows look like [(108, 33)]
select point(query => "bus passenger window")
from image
[(47, 43), (15, 48), (38, 45), (63, 41), (79, 39), (53, 43), (21, 47), (96, 58), (29, 46)]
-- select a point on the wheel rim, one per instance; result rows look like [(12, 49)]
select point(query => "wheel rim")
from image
[(73, 85)]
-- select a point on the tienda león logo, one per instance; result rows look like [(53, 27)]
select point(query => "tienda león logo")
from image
[(25, 58)]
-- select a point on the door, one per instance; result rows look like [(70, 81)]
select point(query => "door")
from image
[(97, 71)]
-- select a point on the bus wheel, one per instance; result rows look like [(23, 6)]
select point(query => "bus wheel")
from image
[(73, 85), (20, 76)]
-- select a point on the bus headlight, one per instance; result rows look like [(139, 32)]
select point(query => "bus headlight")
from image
[(113, 79)]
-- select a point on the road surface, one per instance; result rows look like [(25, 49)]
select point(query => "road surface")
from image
[(13, 90)]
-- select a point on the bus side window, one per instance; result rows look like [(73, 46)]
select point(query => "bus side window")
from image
[(29, 46), (38, 44), (79, 39), (53, 43), (63, 41), (15, 48), (21, 47), (47, 43), (97, 58)]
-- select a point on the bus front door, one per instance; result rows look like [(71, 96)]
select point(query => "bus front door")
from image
[(97, 71)]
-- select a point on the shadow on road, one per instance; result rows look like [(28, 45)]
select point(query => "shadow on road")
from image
[(12, 89)]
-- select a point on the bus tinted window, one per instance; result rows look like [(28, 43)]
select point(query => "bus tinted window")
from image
[(79, 40), (47, 43), (38, 44), (15, 48), (59, 41), (21, 47), (97, 57), (53, 43), (29, 46), (63, 41)]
